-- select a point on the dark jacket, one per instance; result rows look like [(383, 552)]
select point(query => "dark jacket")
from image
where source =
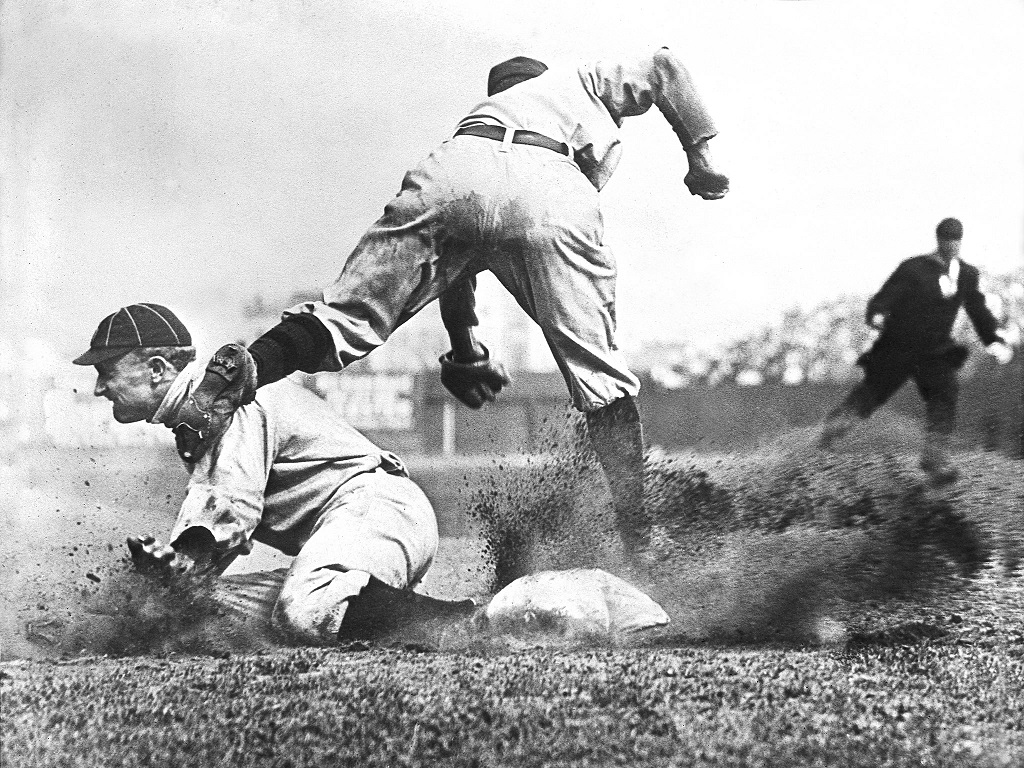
[(919, 319)]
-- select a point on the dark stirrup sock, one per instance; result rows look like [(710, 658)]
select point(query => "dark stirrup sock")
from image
[(298, 343), (618, 440)]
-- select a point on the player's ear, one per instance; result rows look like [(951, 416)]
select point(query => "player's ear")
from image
[(159, 368)]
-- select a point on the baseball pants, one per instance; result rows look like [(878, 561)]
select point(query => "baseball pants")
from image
[(936, 381), (525, 213), (381, 525)]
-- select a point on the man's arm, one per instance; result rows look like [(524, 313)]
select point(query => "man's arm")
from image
[(630, 88), (458, 313), (983, 318), (223, 505), (193, 554), (467, 371), (880, 305), (298, 343), (985, 323)]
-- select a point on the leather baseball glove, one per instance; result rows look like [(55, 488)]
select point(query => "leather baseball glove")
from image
[(228, 384)]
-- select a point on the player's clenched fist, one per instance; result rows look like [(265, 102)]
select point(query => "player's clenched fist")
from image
[(1001, 351), (473, 383)]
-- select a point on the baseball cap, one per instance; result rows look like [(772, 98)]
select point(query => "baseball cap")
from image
[(134, 327), (512, 72), (949, 229)]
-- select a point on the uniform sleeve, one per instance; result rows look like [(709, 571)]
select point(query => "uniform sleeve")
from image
[(225, 493), (628, 89), (458, 305), (889, 295), (985, 323)]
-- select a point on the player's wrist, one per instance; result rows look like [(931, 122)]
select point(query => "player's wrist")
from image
[(702, 179), (476, 359), (466, 350)]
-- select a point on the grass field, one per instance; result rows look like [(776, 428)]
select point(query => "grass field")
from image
[(942, 685), (821, 616)]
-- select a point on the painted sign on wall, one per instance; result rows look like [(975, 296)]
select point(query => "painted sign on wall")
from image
[(378, 401)]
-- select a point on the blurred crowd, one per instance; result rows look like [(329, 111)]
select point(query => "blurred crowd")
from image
[(818, 344)]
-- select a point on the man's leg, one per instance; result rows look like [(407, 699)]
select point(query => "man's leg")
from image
[(380, 610), (617, 437), (354, 576), (960, 536), (394, 271), (937, 382), (857, 406), (563, 276), (881, 380)]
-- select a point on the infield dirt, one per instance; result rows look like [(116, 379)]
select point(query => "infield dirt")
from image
[(827, 609), (783, 543)]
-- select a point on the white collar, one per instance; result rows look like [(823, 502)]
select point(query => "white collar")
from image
[(948, 282), (179, 391)]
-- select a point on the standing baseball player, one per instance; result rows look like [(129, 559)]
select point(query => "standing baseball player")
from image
[(515, 191), (914, 311), (286, 471)]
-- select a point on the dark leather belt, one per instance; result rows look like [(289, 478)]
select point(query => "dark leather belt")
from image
[(497, 133)]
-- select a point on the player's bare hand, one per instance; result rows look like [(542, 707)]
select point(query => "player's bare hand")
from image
[(707, 185), (150, 555), (1003, 353), (702, 179)]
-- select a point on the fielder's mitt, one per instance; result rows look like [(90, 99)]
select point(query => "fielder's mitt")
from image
[(229, 383)]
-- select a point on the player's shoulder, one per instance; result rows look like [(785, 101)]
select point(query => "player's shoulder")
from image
[(643, 57), (909, 269), (920, 261), (924, 266), (968, 270)]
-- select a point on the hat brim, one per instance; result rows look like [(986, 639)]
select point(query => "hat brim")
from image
[(101, 354)]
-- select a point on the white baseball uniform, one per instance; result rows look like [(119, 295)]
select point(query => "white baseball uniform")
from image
[(528, 214), (291, 473)]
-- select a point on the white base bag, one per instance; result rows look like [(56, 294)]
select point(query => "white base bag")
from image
[(580, 601)]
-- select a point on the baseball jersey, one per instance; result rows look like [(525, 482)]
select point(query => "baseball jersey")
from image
[(278, 466), (584, 107)]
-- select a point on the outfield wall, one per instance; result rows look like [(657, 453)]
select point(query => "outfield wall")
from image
[(412, 414), (990, 413), (714, 419)]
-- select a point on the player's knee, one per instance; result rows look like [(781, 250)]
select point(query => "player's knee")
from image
[(301, 621), (310, 609), (860, 403)]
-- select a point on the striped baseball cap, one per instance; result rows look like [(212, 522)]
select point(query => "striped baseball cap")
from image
[(134, 327)]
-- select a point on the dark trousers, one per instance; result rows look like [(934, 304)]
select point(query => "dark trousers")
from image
[(936, 380)]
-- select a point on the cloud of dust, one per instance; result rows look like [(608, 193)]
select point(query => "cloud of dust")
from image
[(779, 543)]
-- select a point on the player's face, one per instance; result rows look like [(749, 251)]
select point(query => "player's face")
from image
[(130, 384), (949, 249)]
